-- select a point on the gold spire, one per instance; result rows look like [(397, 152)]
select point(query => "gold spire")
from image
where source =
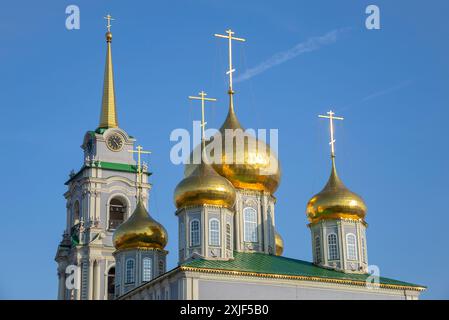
[(335, 201), (108, 117)]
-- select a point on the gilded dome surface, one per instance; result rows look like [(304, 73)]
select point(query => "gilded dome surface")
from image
[(251, 165), (335, 201), (279, 244), (140, 231), (204, 186)]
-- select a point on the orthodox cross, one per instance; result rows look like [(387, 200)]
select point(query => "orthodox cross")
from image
[(331, 118), (202, 97), (139, 150), (109, 18), (230, 38)]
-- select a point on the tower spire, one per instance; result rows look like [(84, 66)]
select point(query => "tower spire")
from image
[(231, 70), (108, 117)]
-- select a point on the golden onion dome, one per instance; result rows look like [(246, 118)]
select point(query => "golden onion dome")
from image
[(335, 201), (140, 231), (279, 243), (252, 165), (204, 186)]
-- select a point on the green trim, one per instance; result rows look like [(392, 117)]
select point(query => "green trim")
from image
[(101, 130), (113, 166), (275, 265)]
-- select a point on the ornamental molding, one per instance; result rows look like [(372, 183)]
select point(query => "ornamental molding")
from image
[(297, 277)]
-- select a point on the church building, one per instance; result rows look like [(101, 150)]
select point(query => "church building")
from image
[(228, 245)]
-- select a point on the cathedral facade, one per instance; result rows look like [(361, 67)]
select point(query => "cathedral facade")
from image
[(228, 245)]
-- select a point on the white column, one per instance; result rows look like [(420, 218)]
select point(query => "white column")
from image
[(90, 279), (61, 285), (98, 279), (342, 239)]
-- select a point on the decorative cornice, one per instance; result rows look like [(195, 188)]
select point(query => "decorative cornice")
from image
[(296, 277)]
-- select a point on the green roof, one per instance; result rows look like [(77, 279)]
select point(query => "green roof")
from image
[(260, 264)]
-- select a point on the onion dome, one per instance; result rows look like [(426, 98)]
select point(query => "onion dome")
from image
[(335, 201), (140, 231), (204, 186), (279, 244), (251, 166)]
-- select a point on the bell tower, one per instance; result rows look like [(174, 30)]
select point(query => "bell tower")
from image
[(100, 196)]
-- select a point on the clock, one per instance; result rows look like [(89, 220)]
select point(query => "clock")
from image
[(115, 142)]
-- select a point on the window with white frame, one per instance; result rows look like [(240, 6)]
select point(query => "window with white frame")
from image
[(317, 249), (351, 246), (214, 232), (332, 246), (363, 250), (129, 275), (195, 233), (228, 237), (250, 225), (146, 269)]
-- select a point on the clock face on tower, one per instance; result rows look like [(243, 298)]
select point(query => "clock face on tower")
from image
[(115, 142)]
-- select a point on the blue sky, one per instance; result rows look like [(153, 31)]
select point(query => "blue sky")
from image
[(389, 84)]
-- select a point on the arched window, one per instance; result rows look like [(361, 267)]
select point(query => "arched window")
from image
[(317, 249), (351, 246), (333, 247), (161, 267), (228, 237), (76, 213), (250, 225), (363, 250), (214, 232), (117, 210), (195, 233), (146, 269), (129, 276), (111, 283)]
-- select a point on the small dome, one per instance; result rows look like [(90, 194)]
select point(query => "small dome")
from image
[(335, 201), (279, 244), (140, 231), (258, 170), (204, 186)]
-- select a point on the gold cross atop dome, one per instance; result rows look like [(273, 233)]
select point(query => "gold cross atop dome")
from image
[(202, 97), (230, 38), (109, 19), (139, 150), (331, 118)]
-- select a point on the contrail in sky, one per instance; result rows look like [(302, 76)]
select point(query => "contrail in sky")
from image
[(311, 44)]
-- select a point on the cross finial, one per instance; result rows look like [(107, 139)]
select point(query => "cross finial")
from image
[(139, 150), (230, 38), (331, 118), (109, 18), (202, 97)]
